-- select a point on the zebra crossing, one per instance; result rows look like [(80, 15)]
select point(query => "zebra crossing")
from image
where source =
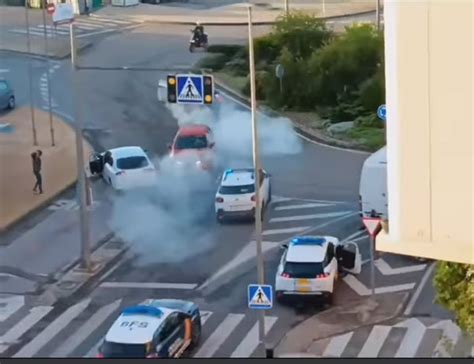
[(84, 26), (404, 338), (77, 331)]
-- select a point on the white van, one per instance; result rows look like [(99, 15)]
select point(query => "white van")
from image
[(373, 186)]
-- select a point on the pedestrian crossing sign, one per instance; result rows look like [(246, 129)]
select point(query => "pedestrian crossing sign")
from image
[(260, 296), (190, 89)]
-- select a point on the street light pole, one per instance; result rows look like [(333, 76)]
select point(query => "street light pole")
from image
[(257, 173), (82, 188), (287, 7), (48, 75), (30, 76), (377, 14)]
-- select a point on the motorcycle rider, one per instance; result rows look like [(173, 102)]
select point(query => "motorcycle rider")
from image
[(198, 32)]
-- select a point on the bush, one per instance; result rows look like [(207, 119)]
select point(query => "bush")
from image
[(214, 62), (369, 121), (228, 49), (372, 91), (266, 48), (260, 78)]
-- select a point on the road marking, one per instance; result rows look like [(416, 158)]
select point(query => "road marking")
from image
[(248, 345), (63, 114), (4, 70), (223, 331), (337, 345), (9, 305), (107, 31), (354, 235), (285, 231), (147, 285), (387, 270), (86, 330), (374, 342), (451, 335), (309, 217), (110, 20), (30, 320), (362, 290), (419, 289), (94, 350), (412, 339), (302, 206), (205, 315), (52, 330)]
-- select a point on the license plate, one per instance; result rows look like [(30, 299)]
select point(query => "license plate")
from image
[(303, 285)]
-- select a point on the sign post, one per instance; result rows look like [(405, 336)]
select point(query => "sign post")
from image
[(280, 72), (373, 226), (190, 89), (382, 112)]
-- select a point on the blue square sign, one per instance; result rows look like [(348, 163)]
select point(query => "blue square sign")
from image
[(190, 89), (260, 296)]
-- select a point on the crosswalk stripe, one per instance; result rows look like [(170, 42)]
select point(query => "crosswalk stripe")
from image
[(309, 217), (94, 350), (205, 315), (223, 331), (374, 342), (84, 332), (52, 330), (248, 345), (412, 339), (285, 231), (110, 20), (451, 335), (301, 206), (34, 316), (337, 345)]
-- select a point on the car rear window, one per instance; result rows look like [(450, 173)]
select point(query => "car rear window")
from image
[(237, 190), (191, 142), (303, 270), (118, 350), (132, 162)]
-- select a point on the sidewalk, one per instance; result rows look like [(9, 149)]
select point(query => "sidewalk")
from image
[(59, 163), (235, 14)]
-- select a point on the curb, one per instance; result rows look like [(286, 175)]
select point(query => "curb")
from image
[(244, 100), (242, 23), (43, 57)]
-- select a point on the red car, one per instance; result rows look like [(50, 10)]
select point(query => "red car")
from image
[(193, 144)]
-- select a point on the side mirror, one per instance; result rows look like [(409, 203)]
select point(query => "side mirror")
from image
[(284, 246)]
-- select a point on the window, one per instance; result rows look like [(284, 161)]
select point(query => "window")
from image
[(191, 142), (329, 254), (237, 190), (3, 86), (119, 350), (303, 270), (132, 162), (168, 327)]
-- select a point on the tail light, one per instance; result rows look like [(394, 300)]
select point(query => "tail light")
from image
[(324, 275), (100, 355), (119, 173), (285, 275), (219, 199), (253, 198)]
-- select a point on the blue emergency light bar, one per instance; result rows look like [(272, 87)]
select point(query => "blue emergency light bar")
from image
[(308, 240), (142, 310)]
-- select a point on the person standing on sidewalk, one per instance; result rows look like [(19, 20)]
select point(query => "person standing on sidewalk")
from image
[(36, 157)]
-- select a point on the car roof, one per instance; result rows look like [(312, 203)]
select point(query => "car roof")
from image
[(238, 177), (124, 152), (152, 315), (194, 129), (308, 249)]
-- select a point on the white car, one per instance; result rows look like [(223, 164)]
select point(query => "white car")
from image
[(310, 265), (124, 168), (235, 196)]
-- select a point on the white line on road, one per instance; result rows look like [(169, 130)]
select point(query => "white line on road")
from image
[(4, 70), (412, 339), (374, 342), (248, 345), (52, 330), (362, 290), (450, 337), (309, 217), (285, 231), (205, 315), (148, 285), (387, 270), (419, 289), (63, 114), (30, 320), (302, 206), (86, 330), (94, 350), (213, 343), (337, 345), (354, 235), (107, 31)]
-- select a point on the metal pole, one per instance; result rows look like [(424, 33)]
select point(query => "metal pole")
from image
[(377, 14), (287, 7), (257, 171), (324, 7), (84, 218), (372, 265), (48, 75), (30, 76)]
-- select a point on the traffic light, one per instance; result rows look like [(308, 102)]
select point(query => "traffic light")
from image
[(208, 89), (171, 83)]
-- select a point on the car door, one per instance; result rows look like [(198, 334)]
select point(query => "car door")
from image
[(172, 336), (3, 94), (349, 257), (108, 170)]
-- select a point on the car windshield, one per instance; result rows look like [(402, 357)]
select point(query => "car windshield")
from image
[(237, 190), (303, 270), (134, 162), (118, 350), (191, 142)]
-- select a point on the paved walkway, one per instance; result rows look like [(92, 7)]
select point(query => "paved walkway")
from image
[(16, 181)]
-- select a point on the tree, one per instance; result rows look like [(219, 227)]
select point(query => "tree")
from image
[(454, 284)]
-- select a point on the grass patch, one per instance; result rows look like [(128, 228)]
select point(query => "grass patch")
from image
[(372, 138), (236, 83)]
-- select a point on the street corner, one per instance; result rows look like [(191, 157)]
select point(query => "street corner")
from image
[(341, 319), (58, 162)]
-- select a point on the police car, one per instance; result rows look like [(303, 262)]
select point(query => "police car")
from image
[(310, 265), (236, 193), (161, 328)]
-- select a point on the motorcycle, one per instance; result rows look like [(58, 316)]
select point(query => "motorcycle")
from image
[(197, 42)]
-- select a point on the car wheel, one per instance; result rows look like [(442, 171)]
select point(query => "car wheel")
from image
[(11, 102), (196, 335), (219, 218)]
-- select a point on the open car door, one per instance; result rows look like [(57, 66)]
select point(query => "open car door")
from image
[(96, 163), (349, 257)]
